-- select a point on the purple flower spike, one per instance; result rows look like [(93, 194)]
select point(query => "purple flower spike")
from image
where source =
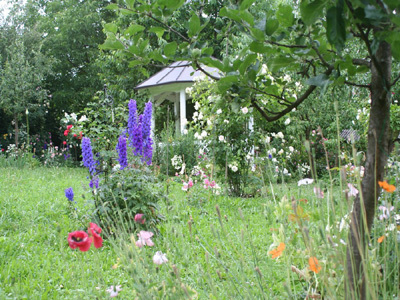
[(146, 126), (121, 149), (87, 155), (138, 138), (69, 194), (132, 121)]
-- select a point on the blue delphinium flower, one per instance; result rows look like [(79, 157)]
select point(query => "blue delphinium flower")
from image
[(69, 193), (121, 149), (132, 121), (138, 137), (94, 182), (87, 155), (146, 129)]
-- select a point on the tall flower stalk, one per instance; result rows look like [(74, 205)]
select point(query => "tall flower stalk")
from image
[(121, 149), (132, 120), (87, 155), (146, 130)]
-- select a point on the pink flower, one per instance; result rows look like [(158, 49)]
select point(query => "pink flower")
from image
[(66, 132), (352, 190), (318, 192), (190, 183), (212, 184), (159, 258), (94, 230), (79, 239), (139, 218), (64, 143), (69, 127), (114, 293), (385, 212), (144, 239)]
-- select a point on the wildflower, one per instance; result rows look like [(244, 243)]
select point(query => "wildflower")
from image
[(79, 239), (318, 192), (380, 239), (87, 155), (385, 212), (244, 110), (314, 264), (305, 181), (144, 239), (114, 292), (387, 187), (94, 231), (278, 251), (139, 218), (352, 190), (159, 258), (69, 193), (121, 149)]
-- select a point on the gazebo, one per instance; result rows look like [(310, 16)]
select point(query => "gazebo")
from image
[(170, 84)]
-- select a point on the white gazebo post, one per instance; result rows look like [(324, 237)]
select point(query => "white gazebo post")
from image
[(177, 116), (182, 100)]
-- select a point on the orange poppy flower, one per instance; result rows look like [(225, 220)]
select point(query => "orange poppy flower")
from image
[(380, 240), (386, 186), (314, 264), (278, 251)]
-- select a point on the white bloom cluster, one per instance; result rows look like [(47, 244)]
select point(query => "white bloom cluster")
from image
[(244, 110), (233, 166), (176, 162)]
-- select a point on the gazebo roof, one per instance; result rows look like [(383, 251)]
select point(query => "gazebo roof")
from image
[(180, 72)]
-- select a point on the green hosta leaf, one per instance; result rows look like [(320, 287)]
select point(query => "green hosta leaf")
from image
[(311, 11), (245, 4), (111, 27), (271, 26), (335, 26), (285, 15), (170, 49), (194, 25), (159, 31), (279, 63)]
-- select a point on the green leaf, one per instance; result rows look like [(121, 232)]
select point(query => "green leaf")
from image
[(258, 47), (213, 63), (207, 51), (112, 44), (133, 29), (285, 15), (111, 27), (130, 3), (194, 25), (134, 63), (257, 34), (174, 4), (230, 13), (226, 82), (247, 62), (170, 49), (321, 81), (335, 26), (311, 11), (245, 4), (271, 26), (280, 62), (159, 31), (112, 6), (247, 17)]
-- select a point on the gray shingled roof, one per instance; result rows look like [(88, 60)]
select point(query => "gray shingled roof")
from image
[(177, 72)]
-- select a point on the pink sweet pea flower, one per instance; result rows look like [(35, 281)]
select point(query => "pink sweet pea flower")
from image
[(190, 183), (144, 239), (139, 218)]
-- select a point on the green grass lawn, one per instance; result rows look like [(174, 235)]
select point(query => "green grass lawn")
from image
[(217, 246)]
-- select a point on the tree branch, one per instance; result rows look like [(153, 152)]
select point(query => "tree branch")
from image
[(284, 45), (361, 62), (357, 84), (395, 80), (205, 72)]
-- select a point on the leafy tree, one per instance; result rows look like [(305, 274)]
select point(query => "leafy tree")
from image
[(313, 39)]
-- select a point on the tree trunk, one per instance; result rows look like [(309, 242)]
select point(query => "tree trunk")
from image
[(16, 134), (377, 154)]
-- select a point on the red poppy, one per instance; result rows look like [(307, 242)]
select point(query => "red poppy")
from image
[(69, 127), (79, 239), (94, 230), (66, 132)]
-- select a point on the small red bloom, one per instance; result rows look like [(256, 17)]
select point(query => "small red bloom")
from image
[(64, 143), (75, 135), (139, 218), (79, 239), (2, 150), (69, 127), (66, 132), (94, 230), (80, 135)]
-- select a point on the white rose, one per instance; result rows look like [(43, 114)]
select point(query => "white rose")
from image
[(244, 110), (219, 111), (221, 138)]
